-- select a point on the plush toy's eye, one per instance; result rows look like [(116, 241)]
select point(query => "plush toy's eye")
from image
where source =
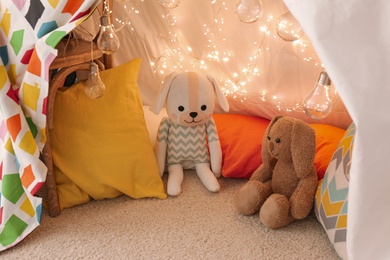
[(269, 138), (277, 140), (204, 107), (181, 108)]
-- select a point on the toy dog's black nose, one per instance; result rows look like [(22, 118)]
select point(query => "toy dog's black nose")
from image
[(193, 114)]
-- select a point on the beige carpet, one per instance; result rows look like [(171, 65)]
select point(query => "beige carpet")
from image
[(195, 225)]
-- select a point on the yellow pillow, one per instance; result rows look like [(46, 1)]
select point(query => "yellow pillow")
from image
[(101, 147)]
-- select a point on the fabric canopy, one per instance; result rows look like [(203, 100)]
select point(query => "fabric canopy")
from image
[(263, 72), (29, 32), (352, 38)]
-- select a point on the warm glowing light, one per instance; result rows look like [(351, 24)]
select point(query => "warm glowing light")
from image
[(179, 55), (318, 104), (169, 3), (288, 27), (249, 11), (108, 42), (94, 87)]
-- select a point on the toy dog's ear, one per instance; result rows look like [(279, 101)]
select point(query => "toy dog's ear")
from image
[(303, 147), (159, 101), (221, 97), (266, 157)]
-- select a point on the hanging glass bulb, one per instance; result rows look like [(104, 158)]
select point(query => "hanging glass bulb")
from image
[(94, 86), (108, 42), (249, 11), (169, 3), (288, 28), (318, 104)]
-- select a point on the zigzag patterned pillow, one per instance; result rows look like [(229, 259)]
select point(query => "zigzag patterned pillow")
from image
[(331, 205)]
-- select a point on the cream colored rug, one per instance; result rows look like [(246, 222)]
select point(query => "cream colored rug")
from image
[(195, 225)]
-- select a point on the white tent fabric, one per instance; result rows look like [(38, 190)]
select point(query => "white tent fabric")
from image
[(352, 38), (262, 73)]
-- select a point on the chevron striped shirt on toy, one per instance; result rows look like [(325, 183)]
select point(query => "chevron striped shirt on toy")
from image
[(187, 143)]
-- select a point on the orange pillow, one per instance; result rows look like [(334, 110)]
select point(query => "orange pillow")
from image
[(241, 138), (327, 139)]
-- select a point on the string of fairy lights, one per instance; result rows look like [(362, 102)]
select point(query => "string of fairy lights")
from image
[(179, 56)]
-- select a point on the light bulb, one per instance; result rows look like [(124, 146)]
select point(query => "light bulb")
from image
[(288, 28), (94, 86), (249, 11), (318, 104), (169, 3), (108, 42)]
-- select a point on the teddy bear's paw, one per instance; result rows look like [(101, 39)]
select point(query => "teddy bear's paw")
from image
[(251, 197), (275, 212)]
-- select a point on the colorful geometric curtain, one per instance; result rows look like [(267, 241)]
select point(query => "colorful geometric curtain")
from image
[(30, 31)]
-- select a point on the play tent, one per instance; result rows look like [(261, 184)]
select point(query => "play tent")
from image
[(352, 39), (265, 72)]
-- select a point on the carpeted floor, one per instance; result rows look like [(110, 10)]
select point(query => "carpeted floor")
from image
[(195, 225)]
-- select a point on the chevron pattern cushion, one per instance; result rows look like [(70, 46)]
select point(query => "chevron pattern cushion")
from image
[(101, 147), (331, 205)]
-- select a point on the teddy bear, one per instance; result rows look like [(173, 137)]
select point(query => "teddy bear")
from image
[(282, 188), (187, 138)]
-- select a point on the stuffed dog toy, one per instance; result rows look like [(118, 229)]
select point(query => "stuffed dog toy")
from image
[(284, 186), (188, 137)]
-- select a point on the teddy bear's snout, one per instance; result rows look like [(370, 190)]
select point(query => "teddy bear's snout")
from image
[(193, 114)]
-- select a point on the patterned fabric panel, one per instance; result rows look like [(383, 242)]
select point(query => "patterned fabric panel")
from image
[(331, 205), (29, 32), (184, 143)]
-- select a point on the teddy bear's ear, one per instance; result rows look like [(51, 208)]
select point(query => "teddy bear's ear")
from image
[(266, 157), (303, 147), (221, 97), (159, 101)]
